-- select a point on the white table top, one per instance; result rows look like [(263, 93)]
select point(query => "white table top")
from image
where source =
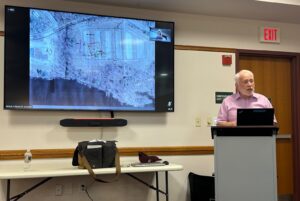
[(16, 170)]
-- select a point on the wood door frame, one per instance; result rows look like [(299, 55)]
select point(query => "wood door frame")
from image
[(295, 84)]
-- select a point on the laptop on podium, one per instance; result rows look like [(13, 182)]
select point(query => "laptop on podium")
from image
[(255, 117)]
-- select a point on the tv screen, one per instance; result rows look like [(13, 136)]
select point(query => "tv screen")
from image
[(56, 60)]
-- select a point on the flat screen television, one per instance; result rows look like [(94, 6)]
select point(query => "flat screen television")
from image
[(57, 60)]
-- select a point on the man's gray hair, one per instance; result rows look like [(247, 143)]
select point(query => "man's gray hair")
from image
[(238, 75)]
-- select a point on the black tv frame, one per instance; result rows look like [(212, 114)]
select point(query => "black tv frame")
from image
[(16, 68)]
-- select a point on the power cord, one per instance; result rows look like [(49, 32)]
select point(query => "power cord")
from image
[(85, 189), (87, 193)]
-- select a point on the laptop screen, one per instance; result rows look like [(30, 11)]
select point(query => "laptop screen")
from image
[(255, 116)]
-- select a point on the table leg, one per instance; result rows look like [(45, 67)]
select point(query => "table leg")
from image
[(20, 195), (8, 190), (157, 186), (167, 186)]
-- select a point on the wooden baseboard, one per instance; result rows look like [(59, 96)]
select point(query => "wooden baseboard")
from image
[(203, 48), (124, 151)]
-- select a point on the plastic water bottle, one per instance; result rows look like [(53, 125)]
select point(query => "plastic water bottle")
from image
[(27, 159)]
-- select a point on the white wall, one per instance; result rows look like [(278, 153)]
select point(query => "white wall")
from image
[(197, 76)]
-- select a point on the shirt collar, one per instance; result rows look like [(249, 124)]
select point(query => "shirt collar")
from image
[(238, 96)]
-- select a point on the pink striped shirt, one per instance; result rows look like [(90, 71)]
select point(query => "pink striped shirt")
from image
[(231, 103)]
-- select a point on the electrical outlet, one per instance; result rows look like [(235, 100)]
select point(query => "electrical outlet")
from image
[(59, 190), (82, 188), (198, 122)]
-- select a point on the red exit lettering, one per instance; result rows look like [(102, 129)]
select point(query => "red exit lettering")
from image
[(270, 34)]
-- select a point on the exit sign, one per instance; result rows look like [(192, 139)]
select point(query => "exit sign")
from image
[(269, 35)]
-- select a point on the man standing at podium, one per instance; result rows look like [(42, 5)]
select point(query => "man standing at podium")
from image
[(245, 97)]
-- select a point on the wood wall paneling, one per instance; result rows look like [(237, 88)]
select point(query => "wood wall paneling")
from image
[(202, 48), (124, 151)]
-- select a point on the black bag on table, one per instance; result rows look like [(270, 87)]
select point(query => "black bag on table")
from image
[(97, 154)]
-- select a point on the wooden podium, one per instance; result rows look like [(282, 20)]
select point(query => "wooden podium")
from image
[(245, 163)]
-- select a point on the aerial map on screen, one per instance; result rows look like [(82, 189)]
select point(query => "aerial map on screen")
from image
[(88, 61)]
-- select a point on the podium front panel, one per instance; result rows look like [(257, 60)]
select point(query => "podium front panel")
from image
[(245, 168)]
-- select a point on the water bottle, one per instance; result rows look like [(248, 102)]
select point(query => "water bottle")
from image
[(27, 159)]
